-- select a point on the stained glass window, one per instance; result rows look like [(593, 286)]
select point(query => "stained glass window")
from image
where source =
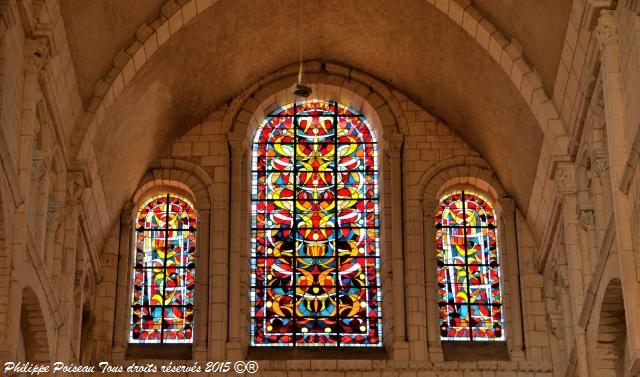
[(315, 264), (163, 271), (469, 293)]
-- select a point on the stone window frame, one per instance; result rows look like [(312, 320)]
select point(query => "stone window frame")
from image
[(474, 174), (192, 182), (249, 115), (335, 106)]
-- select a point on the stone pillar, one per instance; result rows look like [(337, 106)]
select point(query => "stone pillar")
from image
[(601, 173), (619, 148), (38, 171), (55, 212), (123, 283), (566, 188), (589, 242), (37, 54), (68, 273), (566, 315), (394, 153), (433, 324), (238, 146), (201, 320), (509, 253)]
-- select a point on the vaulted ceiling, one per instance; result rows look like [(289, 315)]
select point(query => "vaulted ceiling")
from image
[(409, 44)]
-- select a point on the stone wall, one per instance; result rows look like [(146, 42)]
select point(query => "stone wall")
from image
[(570, 260)]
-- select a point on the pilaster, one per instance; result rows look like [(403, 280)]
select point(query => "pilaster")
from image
[(618, 148), (393, 150), (565, 181), (238, 146), (509, 256)]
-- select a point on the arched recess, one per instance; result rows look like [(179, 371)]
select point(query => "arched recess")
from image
[(385, 115), (33, 331), (609, 351), (473, 173), (185, 178)]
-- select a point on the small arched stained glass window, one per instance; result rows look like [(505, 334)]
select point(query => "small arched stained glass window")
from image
[(164, 271), (469, 291), (315, 264)]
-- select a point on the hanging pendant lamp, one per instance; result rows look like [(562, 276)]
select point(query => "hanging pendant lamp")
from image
[(299, 89)]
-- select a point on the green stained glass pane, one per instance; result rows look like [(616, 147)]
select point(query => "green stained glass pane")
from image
[(315, 270)]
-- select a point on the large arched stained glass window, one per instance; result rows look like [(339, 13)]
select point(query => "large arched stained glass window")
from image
[(163, 271), (315, 256), (470, 297)]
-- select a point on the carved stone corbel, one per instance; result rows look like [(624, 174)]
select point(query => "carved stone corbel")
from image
[(565, 178), (38, 166), (394, 143), (55, 212), (607, 29), (554, 323), (586, 218), (600, 163), (75, 186), (238, 144), (563, 278), (37, 54)]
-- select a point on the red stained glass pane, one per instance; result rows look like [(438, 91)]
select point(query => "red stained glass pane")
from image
[(164, 271), (468, 269), (315, 244)]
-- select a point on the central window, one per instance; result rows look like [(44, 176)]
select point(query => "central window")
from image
[(315, 259)]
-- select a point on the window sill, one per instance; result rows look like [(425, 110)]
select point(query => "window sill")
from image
[(475, 351), (315, 353), (159, 351)]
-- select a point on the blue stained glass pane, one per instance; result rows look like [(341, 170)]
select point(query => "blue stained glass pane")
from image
[(315, 272), (468, 269)]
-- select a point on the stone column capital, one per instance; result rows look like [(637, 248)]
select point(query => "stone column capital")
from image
[(607, 28), (38, 167), (55, 212), (586, 218), (565, 178), (75, 186), (507, 204), (37, 54), (238, 144), (600, 163), (394, 143), (126, 216)]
